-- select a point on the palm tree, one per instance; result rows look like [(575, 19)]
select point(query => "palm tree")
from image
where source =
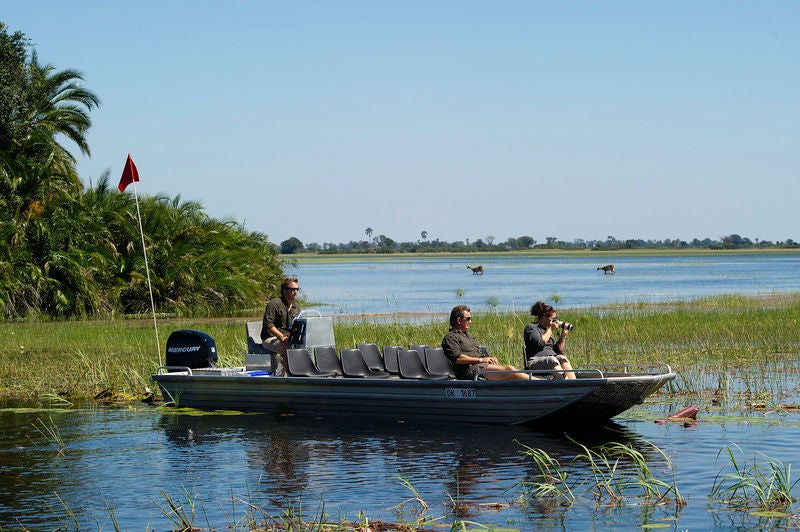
[(55, 105), (424, 235), (368, 232)]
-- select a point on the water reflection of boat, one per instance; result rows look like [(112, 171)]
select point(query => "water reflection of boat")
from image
[(597, 395), (342, 455)]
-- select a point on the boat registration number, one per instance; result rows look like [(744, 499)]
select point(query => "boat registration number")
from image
[(460, 393)]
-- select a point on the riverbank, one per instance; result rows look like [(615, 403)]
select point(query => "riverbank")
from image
[(700, 338), (550, 253)]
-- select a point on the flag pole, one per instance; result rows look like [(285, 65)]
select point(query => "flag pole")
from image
[(130, 175), (147, 269)]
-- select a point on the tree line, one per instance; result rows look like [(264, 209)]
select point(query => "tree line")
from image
[(69, 250), (384, 244)]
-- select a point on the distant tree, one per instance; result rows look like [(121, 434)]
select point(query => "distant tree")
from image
[(368, 231), (424, 235), (490, 240), (525, 242), (291, 245), (386, 244)]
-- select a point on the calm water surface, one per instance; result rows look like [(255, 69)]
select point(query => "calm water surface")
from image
[(433, 284), (118, 463)]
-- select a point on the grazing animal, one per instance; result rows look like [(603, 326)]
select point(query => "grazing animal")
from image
[(476, 270), (608, 268)]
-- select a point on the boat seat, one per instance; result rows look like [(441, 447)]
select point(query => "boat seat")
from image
[(327, 360), (301, 365), (372, 356), (412, 367), (419, 348), (254, 343), (390, 358), (354, 365), (438, 363), (483, 349)]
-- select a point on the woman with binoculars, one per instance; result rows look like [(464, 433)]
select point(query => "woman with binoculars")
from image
[(542, 349)]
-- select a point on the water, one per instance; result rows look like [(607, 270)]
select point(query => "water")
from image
[(121, 466), (434, 285), (116, 462)]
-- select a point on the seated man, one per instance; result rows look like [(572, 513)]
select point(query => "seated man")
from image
[(463, 351), (278, 316)]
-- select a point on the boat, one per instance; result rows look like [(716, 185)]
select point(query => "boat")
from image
[(600, 392)]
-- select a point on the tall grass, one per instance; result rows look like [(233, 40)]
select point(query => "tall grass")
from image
[(706, 340), (616, 472), (763, 483)]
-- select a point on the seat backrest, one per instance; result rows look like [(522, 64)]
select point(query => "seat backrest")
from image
[(390, 358), (483, 349), (353, 364), (419, 348), (412, 366), (437, 362), (300, 364), (372, 356), (327, 360), (254, 343)]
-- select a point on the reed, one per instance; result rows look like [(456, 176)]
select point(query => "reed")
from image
[(616, 471), (763, 483), (51, 433), (706, 340), (550, 480)]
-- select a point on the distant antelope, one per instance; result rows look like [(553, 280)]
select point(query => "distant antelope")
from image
[(608, 268), (476, 270)]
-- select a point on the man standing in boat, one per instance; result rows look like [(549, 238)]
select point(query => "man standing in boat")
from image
[(278, 316), (463, 351)]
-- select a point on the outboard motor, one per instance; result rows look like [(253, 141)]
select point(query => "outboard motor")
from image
[(191, 349)]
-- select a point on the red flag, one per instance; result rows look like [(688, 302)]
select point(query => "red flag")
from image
[(129, 174)]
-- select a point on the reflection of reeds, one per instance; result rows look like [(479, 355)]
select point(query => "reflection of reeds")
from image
[(765, 486)]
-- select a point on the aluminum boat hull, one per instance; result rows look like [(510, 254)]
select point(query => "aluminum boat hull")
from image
[(590, 399)]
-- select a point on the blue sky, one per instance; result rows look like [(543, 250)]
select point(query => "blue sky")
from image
[(464, 119)]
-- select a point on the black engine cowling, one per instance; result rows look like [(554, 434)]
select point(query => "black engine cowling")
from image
[(191, 349)]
